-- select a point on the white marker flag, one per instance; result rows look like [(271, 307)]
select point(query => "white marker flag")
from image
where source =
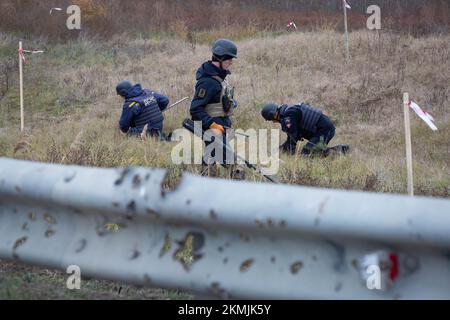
[(425, 116), (55, 9), (346, 4), (292, 24)]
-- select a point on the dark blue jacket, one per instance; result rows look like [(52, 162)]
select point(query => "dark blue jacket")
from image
[(142, 107), (208, 90)]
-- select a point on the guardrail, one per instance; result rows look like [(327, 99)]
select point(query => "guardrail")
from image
[(223, 238)]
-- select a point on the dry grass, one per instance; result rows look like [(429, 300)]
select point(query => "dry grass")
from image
[(72, 109), (22, 282)]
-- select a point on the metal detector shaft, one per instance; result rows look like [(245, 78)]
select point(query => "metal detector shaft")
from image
[(189, 125), (239, 133), (176, 103)]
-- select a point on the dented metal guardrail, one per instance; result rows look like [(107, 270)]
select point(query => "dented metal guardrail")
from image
[(223, 238)]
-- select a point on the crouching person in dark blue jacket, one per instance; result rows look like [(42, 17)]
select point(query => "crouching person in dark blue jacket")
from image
[(302, 121), (141, 107)]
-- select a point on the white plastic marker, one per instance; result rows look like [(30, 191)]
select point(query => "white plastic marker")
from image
[(425, 116), (55, 9), (346, 6), (292, 24), (409, 166), (22, 60)]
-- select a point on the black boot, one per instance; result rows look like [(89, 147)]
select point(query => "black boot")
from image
[(342, 149)]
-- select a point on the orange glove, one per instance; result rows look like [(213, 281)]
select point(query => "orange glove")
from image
[(217, 128)]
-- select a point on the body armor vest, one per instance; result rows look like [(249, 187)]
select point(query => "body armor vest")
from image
[(150, 112), (309, 115), (226, 105)]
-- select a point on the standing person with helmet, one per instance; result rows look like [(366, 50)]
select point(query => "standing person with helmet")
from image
[(213, 101), (302, 121), (142, 109)]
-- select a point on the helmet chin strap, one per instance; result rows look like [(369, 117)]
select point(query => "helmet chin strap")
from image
[(277, 113), (220, 62)]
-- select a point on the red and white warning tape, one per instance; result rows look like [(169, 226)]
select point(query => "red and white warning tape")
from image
[(292, 24), (22, 54)]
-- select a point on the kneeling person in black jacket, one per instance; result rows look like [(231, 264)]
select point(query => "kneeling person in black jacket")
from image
[(302, 121)]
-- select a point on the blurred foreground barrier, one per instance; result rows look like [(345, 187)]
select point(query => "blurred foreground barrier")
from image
[(223, 238)]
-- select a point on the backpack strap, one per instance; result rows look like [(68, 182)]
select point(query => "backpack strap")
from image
[(217, 78)]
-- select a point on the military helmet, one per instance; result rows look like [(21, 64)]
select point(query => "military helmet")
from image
[(269, 111), (223, 48), (122, 87)]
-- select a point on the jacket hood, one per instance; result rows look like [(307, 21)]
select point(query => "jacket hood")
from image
[(208, 69), (134, 91)]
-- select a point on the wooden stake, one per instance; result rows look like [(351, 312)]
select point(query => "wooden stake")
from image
[(409, 166), (347, 50), (21, 86)]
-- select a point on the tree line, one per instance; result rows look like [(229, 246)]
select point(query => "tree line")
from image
[(107, 17)]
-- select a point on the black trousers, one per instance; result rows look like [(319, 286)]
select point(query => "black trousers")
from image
[(325, 132), (227, 153)]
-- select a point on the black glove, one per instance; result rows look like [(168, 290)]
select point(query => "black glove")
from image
[(287, 148)]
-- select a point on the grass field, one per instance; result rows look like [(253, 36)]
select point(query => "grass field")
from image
[(19, 282), (72, 110)]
